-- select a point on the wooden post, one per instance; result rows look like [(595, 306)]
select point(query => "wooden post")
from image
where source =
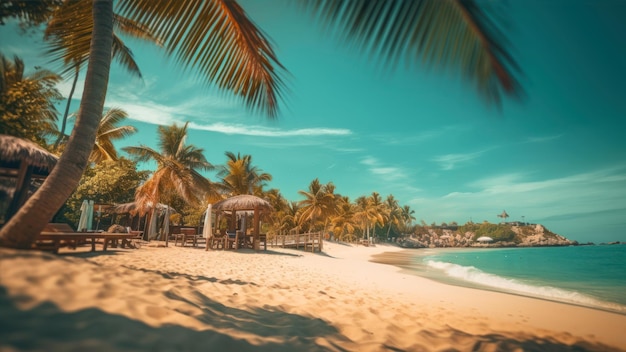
[(257, 244)]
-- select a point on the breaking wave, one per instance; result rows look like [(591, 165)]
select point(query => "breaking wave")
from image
[(476, 276)]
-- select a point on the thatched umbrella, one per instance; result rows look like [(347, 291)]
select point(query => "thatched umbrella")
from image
[(245, 203), (24, 161)]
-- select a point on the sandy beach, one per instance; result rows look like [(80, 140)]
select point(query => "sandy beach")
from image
[(188, 299)]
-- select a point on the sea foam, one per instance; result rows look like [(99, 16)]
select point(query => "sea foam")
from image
[(476, 276)]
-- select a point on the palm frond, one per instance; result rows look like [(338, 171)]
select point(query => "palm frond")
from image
[(69, 36), (125, 57), (453, 34), (218, 39), (144, 154), (135, 29), (33, 12)]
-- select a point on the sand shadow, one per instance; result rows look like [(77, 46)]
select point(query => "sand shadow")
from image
[(47, 328)]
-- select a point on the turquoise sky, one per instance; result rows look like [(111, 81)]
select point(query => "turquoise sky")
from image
[(425, 136)]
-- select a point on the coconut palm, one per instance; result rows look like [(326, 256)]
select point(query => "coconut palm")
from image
[(318, 203), (177, 172), (27, 101), (108, 131), (408, 217), (394, 213), (217, 38), (238, 176), (283, 218), (344, 221), (378, 211), (68, 36)]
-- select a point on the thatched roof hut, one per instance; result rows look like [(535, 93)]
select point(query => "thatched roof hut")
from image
[(21, 162), (134, 208), (14, 151), (243, 202)]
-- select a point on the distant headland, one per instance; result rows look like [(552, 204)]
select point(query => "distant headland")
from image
[(509, 234)]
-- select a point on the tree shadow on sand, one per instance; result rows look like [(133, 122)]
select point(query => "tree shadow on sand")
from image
[(47, 328)]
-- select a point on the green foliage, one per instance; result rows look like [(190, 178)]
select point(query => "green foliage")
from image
[(27, 102), (110, 182), (499, 232), (469, 227)]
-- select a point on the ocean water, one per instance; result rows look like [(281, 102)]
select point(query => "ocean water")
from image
[(592, 276)]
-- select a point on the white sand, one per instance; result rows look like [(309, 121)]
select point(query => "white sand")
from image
[(187, 299)]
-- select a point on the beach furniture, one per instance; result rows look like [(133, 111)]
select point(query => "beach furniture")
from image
[(263, 240), (186, 235), (217, 241), (232, 240), (58, 235)]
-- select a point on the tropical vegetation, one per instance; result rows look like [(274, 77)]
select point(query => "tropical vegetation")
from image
[(27, 101), (108, 182), (219, 41)]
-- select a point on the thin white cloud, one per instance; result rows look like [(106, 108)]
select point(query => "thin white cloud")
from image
[(387, 173), (203, 111), (262, 131), (452, 161), (520, 195)]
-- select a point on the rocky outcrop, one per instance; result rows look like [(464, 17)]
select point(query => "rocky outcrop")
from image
[(535, 235)]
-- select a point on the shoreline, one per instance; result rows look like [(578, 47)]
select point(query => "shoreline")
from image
[(177, 298), (403, 260)]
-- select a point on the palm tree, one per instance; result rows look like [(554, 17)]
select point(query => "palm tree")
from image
[(72, 23), (362, 214), (22, 229), (318, 203), (108, 131), (394, 213), (27, 101), (378, 211), (177, 172), (218, 39), (408, 217), (344, 221), (238, 176)]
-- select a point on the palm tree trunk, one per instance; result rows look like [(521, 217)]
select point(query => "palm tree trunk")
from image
[(67, 107), (23, 228)]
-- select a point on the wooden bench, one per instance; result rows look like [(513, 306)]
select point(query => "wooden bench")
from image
[(54, 240)]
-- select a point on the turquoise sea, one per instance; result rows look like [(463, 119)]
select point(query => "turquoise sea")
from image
[(592, 276)]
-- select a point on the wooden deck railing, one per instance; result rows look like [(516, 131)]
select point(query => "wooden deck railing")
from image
[(312, 241)]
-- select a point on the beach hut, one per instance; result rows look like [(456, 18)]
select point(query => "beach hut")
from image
[(136, 209), (245, 203), (23, 166)]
